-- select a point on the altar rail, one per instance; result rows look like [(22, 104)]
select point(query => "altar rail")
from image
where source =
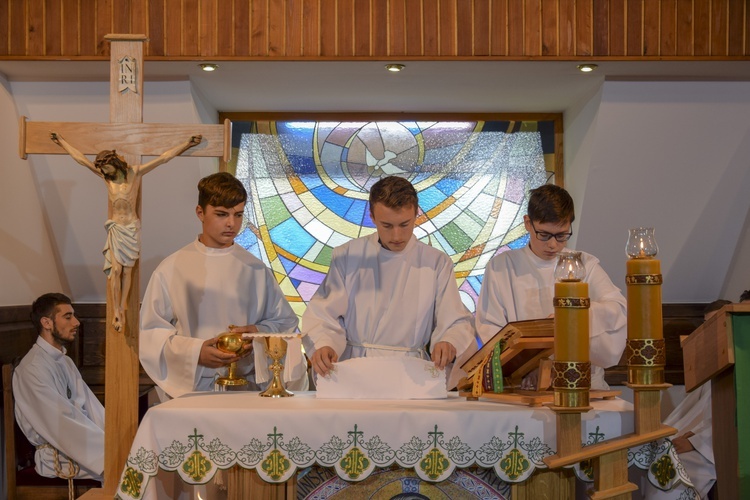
[(382, 29)]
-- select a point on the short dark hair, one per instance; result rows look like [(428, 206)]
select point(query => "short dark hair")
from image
[(715, 306), (221, 189), (110, 156), (44, 307), (394, 192), (745, 296), (552, 204)]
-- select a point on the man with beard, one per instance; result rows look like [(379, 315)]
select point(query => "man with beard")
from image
[(55, 408)]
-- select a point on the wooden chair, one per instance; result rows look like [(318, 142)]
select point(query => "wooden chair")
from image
[(23, 481)]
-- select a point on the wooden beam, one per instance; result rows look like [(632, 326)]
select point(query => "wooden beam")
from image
[(145, 139)]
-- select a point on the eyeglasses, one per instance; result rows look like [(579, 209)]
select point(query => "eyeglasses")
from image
[(545, 236)]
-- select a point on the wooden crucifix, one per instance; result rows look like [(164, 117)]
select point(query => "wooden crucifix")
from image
[(120, 145)]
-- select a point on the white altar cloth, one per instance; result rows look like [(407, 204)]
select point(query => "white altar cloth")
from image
[(200, 433)]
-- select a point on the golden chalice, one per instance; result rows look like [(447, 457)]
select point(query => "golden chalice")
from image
[(276, 350), (232, 343)]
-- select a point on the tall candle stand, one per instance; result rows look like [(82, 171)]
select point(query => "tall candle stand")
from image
[(645, 346), (571, 369), (645, 350)]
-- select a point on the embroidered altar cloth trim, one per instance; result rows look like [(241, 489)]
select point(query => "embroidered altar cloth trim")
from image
[(200, 433)]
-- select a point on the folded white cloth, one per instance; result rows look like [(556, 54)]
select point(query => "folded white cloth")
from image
[(391, 377), (294, 363)]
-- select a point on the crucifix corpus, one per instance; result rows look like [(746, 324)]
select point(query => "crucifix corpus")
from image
[(119, 147)]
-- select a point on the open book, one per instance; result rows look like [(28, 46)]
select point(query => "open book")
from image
[(524, 344)]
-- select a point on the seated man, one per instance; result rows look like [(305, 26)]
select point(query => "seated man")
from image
[(196, 293), (519, 284), (745, 296), (388, 294), (694, 438), (55, 408)]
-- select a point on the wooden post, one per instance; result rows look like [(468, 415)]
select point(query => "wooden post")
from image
[(133, 139)]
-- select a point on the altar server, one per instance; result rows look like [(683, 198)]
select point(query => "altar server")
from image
[(519, 284), (388, 294), (55, 408), (196, 293)]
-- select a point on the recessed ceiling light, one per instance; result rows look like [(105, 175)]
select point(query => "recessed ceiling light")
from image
[(395, 68), (209, 66), (587, 68)]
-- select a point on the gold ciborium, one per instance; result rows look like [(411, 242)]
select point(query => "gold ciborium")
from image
[(276, 350), (232, 343)]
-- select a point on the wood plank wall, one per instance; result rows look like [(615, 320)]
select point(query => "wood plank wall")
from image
[(383, 29)]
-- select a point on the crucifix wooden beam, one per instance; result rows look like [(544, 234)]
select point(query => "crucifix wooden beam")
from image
[(132, 139)]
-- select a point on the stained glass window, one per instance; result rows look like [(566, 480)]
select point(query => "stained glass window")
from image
[(308, 185)]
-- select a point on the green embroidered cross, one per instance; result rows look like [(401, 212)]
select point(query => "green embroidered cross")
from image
[(275, 437), (195, 437), (596, 435), (355, 434), (435, 434), (515, 435)]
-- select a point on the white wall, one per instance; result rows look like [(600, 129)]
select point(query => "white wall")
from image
[(28, 264), (675, 156), (75, 200)]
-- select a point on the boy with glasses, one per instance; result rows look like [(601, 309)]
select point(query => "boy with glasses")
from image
[(519, 284)]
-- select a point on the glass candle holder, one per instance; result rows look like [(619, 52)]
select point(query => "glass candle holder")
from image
[(569, 267), (641, 243)]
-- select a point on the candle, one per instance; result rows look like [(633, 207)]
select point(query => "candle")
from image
[(571, 323), (645, 346), (644, 299)]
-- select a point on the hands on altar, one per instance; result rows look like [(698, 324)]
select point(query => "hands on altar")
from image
[(212, 357), (323, 359), (442, 354), (682, 444)]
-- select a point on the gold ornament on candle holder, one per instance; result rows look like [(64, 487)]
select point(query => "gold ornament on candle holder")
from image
[(645, 346)]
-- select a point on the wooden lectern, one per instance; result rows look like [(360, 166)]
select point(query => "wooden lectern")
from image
[(524, 345), (719, 351)]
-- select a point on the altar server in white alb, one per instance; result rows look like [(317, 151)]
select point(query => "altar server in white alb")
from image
[(519, 284), (388, 294), (55, 408), (201, 290)]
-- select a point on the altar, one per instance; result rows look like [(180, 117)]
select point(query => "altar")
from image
[(202, 433)]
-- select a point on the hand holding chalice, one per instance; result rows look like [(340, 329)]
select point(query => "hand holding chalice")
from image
[(231, 343)]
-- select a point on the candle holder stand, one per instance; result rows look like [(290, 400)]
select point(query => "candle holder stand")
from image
[(645, 349)]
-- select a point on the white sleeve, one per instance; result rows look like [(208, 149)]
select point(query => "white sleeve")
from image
[(170, 359), (492, 314), (452, 321), (277, 315), (607, 318), (322, 321), (56, 420)]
